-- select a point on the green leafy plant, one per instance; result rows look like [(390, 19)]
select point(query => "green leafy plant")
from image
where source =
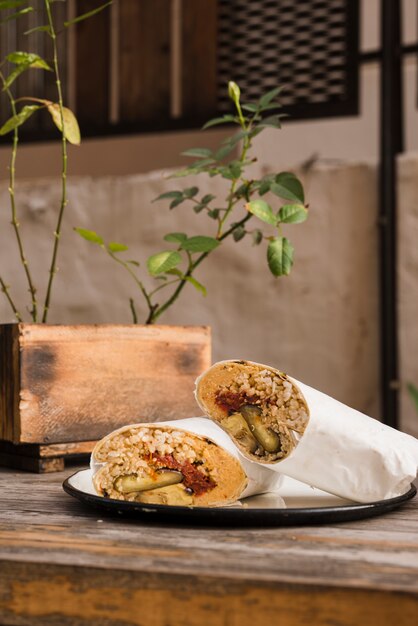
[(11, 68), (246, 200)]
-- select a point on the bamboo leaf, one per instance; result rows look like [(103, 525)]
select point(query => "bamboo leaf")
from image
[(280, 256), (85, 16), (71, 128), (15, 16), (19, 119), (292, 214), (89, 235), (29, 59), (262, 210), (163, 262), (39, 29), (11, 4), (13, 75), (200, 244)]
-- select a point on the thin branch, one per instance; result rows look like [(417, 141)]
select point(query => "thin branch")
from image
[(15, 221), (64, 201), (133, 311), (5, 290)]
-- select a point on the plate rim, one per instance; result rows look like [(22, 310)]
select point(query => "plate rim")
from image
[(230, 511)]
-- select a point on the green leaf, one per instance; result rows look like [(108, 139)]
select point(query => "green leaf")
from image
[(177, 202), (236, 138), (190, 192), (169, 194), (162, 262), (85, 16), (71, 128), (293, 214), (116, 247), (287, 186), (280, 256), (226, 119), (198, 152), (214, 214), (413, 392), (19, 119), (234, 92), (132, 262), (13, 75), (208, 198), (200, 244), (199, 207), (90, 235), (196, 284), (257, 237), (175, 237), (262, 210), (239, 233), (29, 59), (269, 96), (15, 16), (176, 272), (39, 29), (223, 152), (264, 187), (11, 4), (273, 121), (250, 107)]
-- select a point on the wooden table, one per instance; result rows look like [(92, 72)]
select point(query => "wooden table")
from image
[(63, 564)]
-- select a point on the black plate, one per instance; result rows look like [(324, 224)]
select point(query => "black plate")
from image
[(297, 504)]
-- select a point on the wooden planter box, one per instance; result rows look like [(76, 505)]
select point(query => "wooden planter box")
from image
[(64, 387)]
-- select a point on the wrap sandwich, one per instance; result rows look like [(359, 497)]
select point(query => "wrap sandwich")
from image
[(294, 429), (190, 462)]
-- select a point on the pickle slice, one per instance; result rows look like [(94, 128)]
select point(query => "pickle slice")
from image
[(266, 437), (132, 482)]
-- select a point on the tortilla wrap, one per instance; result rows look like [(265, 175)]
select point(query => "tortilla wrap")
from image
[(190, 462), (316, 439)]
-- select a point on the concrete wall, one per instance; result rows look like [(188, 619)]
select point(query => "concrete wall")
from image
[(320, 323), (408, 284)]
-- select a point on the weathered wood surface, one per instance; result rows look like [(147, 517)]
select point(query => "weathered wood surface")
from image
[(63, 564), (39, 458), (72, 383)]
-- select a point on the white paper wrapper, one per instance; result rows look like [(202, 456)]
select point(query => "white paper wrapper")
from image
[(350, 454), (260, 478), (347, 453)]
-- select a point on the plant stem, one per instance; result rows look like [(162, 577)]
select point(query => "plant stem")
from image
[(231, 203), (133, 311), (160, 310), (15, 221), (144, 292), (64, 201), (5, 290)]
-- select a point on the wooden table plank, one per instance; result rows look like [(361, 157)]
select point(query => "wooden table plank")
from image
[(62, 563)]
